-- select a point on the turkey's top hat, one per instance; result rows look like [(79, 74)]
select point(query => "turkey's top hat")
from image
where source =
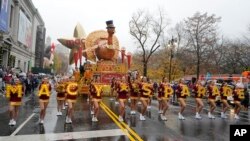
[(110, 24)]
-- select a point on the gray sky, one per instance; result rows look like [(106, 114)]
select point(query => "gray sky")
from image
[(61, 16)]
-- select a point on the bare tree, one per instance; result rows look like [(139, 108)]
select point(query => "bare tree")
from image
[(217, 54), (180, 33), (182, 54), (244, 57), (245, 46), (201, 32), (146, 29), (231, 60)]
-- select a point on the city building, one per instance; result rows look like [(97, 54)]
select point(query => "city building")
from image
[(22, 35)]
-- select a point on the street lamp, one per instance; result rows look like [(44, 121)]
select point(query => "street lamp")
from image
[(171, 45)]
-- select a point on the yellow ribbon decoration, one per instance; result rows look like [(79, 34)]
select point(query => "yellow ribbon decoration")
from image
[(44, 90), (215, 91), (201, 91), (185, 91), (69, 86), (240, 93), (168, 91), (98, 89), (14, 89)]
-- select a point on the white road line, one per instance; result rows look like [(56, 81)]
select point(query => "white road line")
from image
[(21, 126), (65, 136)]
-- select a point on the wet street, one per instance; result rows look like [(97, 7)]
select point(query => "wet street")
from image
[(108, 128)]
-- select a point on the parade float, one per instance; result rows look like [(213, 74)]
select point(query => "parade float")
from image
[(102, 53)]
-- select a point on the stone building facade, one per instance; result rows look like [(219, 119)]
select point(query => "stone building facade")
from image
[(24, 35)]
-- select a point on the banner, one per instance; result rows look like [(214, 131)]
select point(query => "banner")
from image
[(119, 68), (107, 77), (24, 30), (4, 15)]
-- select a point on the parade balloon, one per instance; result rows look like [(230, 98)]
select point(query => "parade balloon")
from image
[(101, 52)]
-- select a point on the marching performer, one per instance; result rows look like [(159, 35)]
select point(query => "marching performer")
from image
[(60, 89), (238, 96), (72, 91), (14, 92), (96, 90), (90, 97), (225, 91), (145, 91), (113, 81), (182, 92), (66, 80), (160, 95), (134, 93), (199, 91), (87, 76), (44, 95), (116, 89), (164, 92), (122, 92), (213, 91), (151, 93)]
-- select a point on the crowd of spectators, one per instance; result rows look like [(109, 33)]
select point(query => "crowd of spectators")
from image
[(7, 75)]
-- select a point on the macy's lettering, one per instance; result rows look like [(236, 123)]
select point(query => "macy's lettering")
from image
[(168, 91), (14, 89), (146, 89), (44, 90), (69, 88)]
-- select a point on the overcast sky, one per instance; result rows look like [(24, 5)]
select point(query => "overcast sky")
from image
[(61, 16)]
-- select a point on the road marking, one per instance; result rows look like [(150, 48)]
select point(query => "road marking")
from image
[(117, 123), (124, 124), (21, 126), (66, 136)]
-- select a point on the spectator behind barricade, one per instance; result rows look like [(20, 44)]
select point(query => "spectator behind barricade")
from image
[(1, 73), (245, 101), (8, 78), (2, 85), (175, 85), (155, 86), (28, 85), (35, 81)]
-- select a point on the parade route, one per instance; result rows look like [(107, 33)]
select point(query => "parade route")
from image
[(109, 128)]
